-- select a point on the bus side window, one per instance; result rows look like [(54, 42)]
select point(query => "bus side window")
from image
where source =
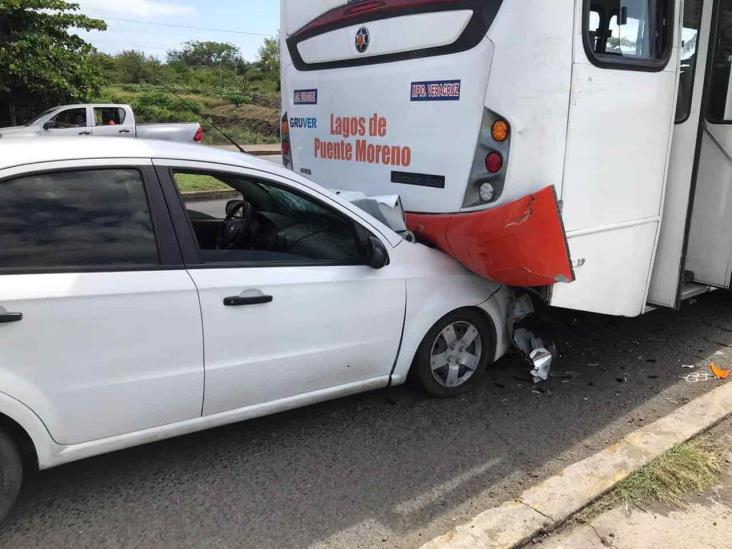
[(621, 33), (689, 48), (720, 98)]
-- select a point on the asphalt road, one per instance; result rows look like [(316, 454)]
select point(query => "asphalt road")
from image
[(390, 468)]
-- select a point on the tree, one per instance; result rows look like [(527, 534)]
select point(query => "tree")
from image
[(42, 63), (269, 55), (206, 54), (134, 67)]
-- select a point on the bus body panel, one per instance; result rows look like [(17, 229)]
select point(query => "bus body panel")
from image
[(710, 240), (529, 85), (618, 146), (335, 135)]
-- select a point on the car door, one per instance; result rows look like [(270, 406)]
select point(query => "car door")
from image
[(112, 122), (293, 310), (100, 328), (71, 121)]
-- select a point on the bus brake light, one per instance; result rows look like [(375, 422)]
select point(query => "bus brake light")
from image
[(494, 162)]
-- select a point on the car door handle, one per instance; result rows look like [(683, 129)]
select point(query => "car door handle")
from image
[(85, 133), (124, 131), (240, 301), (7, 318)]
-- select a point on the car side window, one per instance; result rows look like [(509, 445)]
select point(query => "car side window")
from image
[(109, 116), (242, 220), (71, 118), (95, 219)]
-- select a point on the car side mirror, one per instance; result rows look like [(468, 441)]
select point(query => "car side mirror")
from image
[(377, 257), (49, 125)]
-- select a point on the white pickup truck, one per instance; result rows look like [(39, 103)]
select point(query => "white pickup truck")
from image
[(108, 120)]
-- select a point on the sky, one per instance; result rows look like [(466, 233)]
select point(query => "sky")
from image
[(148, 33)]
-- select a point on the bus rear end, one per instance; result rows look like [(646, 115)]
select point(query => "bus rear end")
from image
[(390, 97)]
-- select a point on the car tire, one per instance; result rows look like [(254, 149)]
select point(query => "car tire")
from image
[(11, 473), (445, 368)]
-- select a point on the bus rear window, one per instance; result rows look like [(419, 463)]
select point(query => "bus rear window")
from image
[(319, 44)]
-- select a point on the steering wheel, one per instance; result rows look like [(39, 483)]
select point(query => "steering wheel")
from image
[(235, 232)]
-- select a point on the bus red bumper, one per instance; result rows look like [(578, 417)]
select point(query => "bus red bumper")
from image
[(519, 244)]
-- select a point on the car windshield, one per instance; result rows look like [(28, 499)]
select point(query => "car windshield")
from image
[(37, 118)]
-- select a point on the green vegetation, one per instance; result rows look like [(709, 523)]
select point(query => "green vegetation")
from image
[(207, 82), (44, 64), (41, 63), (192, 183), (685, 470)]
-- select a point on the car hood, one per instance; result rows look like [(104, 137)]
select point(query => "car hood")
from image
[(18, 131)]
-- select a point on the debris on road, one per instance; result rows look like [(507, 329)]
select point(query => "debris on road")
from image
[(719, 373), (698, 377), (688, 366), (524, 327)]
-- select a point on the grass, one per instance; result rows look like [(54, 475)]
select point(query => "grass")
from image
[(687, 469), (243, 136), (191, 183)]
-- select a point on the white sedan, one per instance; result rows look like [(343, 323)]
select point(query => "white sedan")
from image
[(127, 315)]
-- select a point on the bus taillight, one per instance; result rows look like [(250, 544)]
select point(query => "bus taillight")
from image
[(494, 162), (499, 130)]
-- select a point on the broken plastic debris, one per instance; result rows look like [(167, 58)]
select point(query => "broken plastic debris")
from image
[(718, 372), (533, 348), (542, 359), (697, 377)]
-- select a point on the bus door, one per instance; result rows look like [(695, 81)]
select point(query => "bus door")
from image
[(709, 254), (668, 270), (622, 107)]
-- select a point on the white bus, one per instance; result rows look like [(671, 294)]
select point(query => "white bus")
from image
[(583, 147)]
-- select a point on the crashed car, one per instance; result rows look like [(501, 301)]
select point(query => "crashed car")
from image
[(132, 310)]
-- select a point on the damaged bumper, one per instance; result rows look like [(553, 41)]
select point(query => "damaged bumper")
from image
[(522, 243)]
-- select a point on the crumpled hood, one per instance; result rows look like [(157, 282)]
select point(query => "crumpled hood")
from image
[(19, 131)]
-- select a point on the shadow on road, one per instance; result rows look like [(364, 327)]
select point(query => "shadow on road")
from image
[(388, 468)]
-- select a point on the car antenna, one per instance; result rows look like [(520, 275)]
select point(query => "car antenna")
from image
[(189, 106)]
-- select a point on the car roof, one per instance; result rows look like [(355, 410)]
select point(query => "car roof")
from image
[(28, 150)]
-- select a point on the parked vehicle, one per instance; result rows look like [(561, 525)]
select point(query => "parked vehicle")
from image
[(102, 120), (486, 115), (118, 297)]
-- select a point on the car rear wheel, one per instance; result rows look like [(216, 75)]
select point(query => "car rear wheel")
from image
[(454, 353), (11, 473)]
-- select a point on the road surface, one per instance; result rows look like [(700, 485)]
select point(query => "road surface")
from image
[(390, 468)]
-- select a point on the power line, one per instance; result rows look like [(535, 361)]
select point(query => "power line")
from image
[(188, 27)]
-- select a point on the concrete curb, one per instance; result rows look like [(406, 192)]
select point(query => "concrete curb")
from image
[(546, 506)]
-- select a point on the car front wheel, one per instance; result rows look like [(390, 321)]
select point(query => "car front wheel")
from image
[(454, 353)]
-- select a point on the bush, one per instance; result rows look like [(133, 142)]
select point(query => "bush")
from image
[(237, 98), (162, 107)]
